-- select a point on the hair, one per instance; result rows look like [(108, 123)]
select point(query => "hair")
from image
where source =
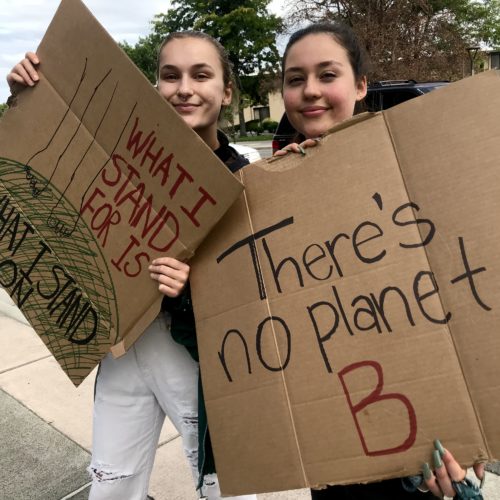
[(343, 35), (227, 67)]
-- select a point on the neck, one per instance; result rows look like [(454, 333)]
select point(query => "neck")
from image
[(209, 136)]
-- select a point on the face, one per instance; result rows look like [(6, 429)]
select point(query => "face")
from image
[(191, 80), (319, 89)]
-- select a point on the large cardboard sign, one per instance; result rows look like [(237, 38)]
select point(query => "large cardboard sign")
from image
[(98, 176), (348, 304)]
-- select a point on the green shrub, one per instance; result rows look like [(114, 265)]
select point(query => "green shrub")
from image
[(254, 126), (269, 125)]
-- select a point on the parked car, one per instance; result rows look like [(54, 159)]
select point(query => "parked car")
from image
[(284, 134), (386, 94), (251, 154), (381, 95)]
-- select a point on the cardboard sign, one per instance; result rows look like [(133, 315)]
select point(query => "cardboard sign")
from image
[(348, 304), (98, 176)]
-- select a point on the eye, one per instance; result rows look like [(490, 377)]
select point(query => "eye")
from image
[(202, 76), (293, 81), (328, 76), (169, 77)]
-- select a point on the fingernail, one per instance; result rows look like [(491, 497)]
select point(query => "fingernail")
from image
[(439, 447), (436, 458), (302, 150), (426, 471)]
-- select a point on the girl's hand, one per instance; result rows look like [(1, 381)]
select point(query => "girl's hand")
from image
[(172, 275), (297, 148), (446, 472), (24, 73)]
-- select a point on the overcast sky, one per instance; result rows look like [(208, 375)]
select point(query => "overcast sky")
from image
[(23, 24)]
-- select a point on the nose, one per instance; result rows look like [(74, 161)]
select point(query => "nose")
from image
[(184, 90), (311, 88)]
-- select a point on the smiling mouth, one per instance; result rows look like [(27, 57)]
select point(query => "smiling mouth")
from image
[(313, 111), (184, 106)]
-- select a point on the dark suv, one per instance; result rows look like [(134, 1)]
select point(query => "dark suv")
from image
[(381, 95), (388, 93)]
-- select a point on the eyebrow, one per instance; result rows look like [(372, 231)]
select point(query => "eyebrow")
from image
[(323, 64), (194, 66)]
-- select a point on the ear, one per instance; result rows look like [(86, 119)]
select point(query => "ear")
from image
[(228, 95), (361, 88)]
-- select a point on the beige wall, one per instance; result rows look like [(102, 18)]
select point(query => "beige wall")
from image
[(247, 113), (276, 109), (276, 106)]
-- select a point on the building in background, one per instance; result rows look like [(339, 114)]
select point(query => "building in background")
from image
[(493, 59), (271, 111)]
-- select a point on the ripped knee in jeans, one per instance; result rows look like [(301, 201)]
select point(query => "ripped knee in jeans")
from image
[(103, 474), (210, 487), (190, 422)]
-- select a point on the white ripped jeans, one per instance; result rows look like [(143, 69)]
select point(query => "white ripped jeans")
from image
[(156, 377)]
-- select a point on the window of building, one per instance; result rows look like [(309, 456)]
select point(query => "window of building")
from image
[(495, 60), (261, 113)]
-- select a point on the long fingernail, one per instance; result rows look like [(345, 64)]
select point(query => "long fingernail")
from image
[(436, 458), (439, 447), (426, 471)]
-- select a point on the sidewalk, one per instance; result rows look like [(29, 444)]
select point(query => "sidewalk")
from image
[(46, 429)]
